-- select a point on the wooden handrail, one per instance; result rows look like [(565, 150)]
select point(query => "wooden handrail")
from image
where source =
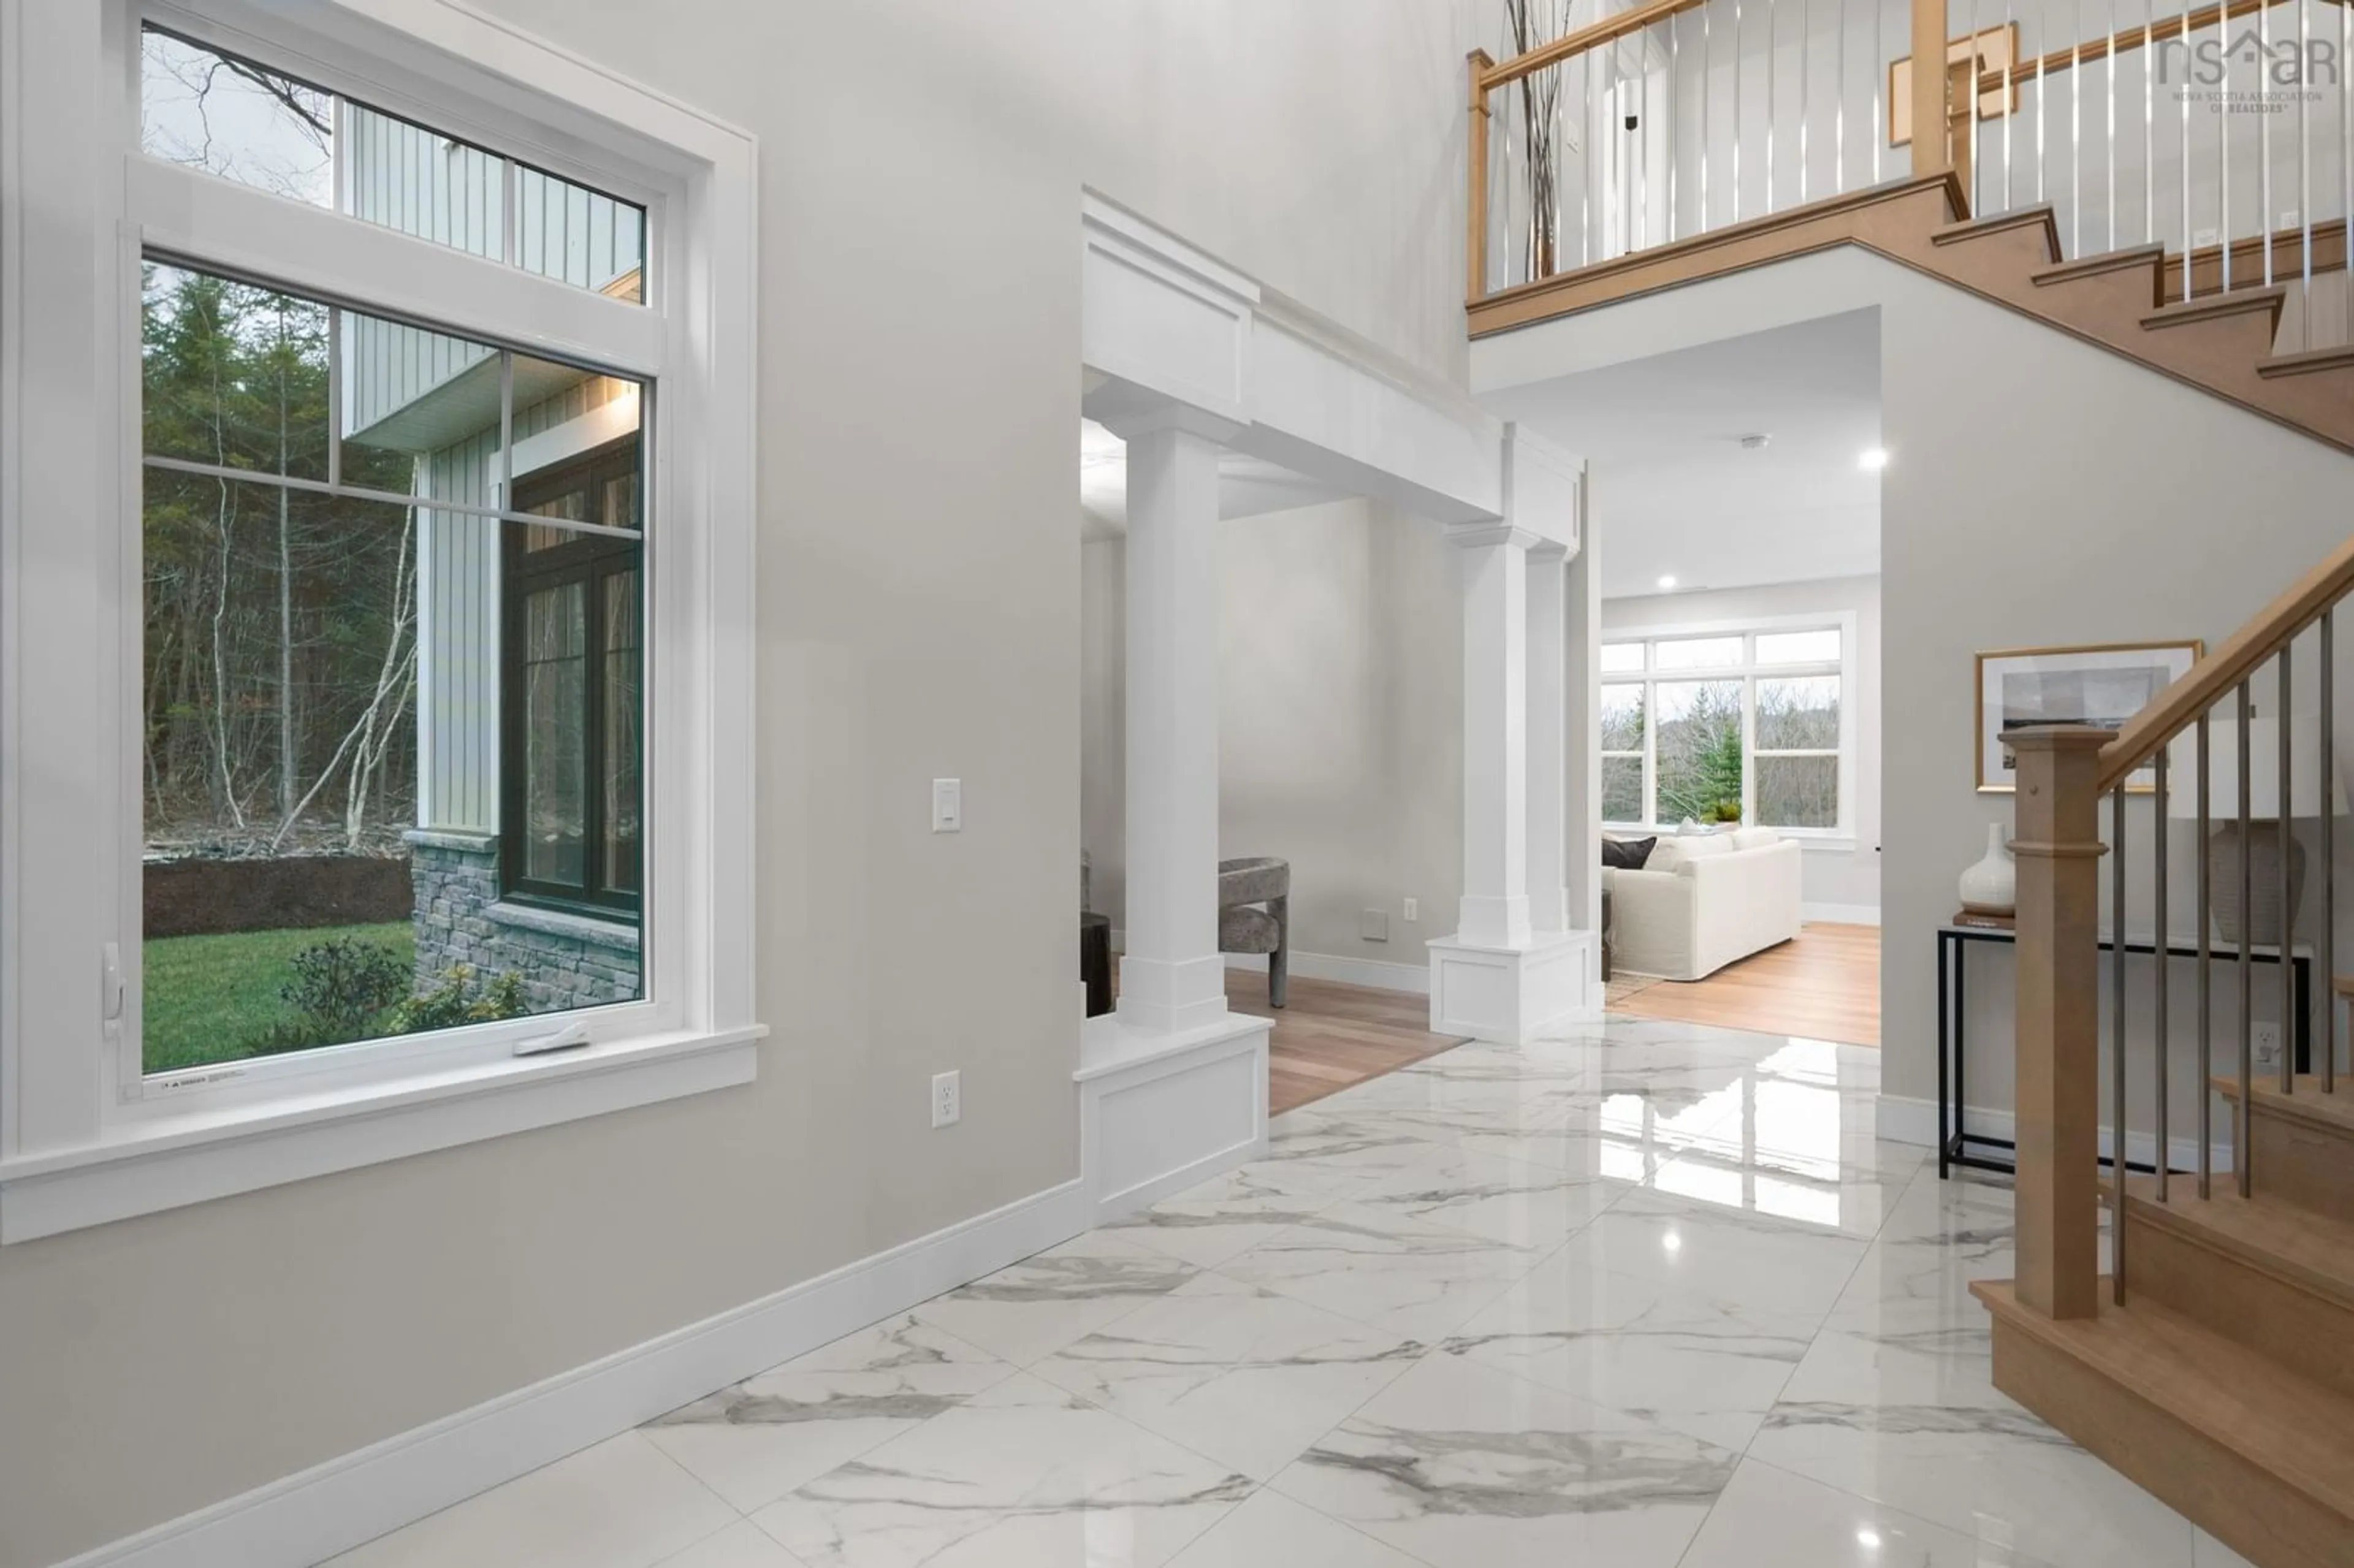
[(2170, 29), (1570, 45), (2214, 677)]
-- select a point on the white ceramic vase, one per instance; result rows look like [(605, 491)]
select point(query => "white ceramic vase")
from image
[(1991, 887)]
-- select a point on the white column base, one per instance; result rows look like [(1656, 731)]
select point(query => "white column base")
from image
[(1515, 994), (1162, 1112), (1160, 996)]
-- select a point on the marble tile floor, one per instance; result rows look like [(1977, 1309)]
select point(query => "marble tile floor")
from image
[(1647, 1297)]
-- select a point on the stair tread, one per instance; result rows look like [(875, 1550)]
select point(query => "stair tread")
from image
[(2239, 302), (2019, 218), (2285, 1424), (2312, 1250), (2310, 362), (2307, 1103), (2108, 261)]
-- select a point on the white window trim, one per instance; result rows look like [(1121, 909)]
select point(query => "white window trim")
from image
[(83, 1139), (1841, 836)]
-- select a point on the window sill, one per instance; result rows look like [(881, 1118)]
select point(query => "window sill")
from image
[(215, 1154)]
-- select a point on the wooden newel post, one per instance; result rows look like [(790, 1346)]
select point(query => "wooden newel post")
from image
[(1930, 154), (2057, 844), (1475, 254)]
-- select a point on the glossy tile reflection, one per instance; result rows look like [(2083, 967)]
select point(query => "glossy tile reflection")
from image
[(1650, 1293)]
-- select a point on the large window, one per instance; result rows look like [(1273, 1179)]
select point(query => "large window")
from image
[(341, 677), (1717, 726)]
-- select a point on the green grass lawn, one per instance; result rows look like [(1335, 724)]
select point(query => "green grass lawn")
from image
[(209, 999)]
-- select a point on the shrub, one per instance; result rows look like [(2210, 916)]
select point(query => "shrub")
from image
[(339, 987), (458, 1001)]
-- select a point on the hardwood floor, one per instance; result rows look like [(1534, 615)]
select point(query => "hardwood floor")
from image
[(1825, 985), (1333, 1035)]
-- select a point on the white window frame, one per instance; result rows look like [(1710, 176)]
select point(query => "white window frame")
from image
[(86, 1137), (1748, 672)]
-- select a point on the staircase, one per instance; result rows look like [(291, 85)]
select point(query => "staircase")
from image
[(2214, 1363), (2221, 343)]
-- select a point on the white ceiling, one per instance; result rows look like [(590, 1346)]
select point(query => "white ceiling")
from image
[(1247, 486), (1674, 492)]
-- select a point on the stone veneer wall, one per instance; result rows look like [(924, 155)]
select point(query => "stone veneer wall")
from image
[(566, 960)]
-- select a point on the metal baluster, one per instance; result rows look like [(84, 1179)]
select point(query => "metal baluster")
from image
[(2304, 168), (2109, 76), (2282, 825), (1586, 181), (2263, 148), (2148, 125), (2241, 1120), (1839, 110), (2076, 131), (2010, 92), (2164, 1158), (1559, 142), (2183, 100), (2326, 960), (2205, 906), (2223, 179), (2117, 1043)]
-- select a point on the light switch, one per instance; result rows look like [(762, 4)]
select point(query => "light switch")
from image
[(948, 805)]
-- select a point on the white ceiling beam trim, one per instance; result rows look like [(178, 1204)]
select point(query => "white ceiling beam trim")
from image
[(1165, 319)]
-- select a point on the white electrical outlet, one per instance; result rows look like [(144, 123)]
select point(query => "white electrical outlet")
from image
[(2267, 1038), (948, 1099), (1413, 911)]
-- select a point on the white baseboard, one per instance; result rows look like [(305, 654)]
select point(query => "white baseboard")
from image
[(306, 1518), (1841, 914), (1381, 974), (1902, 1120)]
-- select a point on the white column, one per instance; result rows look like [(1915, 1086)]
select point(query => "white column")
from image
[(1548, 710), (1170, 977), (1494, 912), (1582, 705)]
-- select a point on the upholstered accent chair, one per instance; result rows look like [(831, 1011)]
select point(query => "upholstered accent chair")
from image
[(1254, 917)]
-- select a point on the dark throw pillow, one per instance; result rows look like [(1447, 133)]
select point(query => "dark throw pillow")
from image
[(1627, 855)]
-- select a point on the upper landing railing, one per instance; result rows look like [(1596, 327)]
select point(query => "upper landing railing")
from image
[(2219, 133)]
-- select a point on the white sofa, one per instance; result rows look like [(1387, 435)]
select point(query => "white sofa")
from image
[(1701, 902)]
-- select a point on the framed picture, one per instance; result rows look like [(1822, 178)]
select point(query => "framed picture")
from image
[(2101, 686)]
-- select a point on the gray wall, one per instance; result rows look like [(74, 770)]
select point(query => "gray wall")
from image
[(1340, 728), (919, 572), (1846, 872)]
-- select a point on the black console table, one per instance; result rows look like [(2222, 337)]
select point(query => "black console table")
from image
[(1956, 1145)]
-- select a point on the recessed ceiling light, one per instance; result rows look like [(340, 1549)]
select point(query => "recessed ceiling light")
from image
[(1668, 582), (1874, 459), (1868, 1538), (1671, 1241)]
